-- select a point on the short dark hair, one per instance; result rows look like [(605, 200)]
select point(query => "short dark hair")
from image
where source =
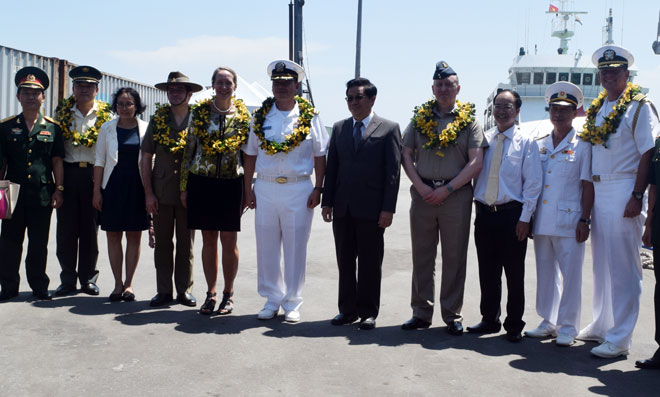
[(370, 90), (512, 92), (139, 107)]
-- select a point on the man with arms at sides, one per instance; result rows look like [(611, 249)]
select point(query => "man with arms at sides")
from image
[(505, 193), (31, 152), (441, 173), (621, 128), (359, 198), (562, 218), (80, 117), (287, 142), (165, 138)]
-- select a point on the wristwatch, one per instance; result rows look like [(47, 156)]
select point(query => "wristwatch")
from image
[(60, 188), (638, 195), (319, 188), (585, 220), (449, 188)]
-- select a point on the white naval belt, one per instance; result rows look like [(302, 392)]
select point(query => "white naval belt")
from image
[(283, 179), (611, 177)]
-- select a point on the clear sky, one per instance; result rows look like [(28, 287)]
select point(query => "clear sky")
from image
[(401, 41)]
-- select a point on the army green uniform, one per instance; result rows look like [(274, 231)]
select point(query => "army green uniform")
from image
[(28, 158)]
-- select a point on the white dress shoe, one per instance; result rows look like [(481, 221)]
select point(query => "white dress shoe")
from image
[(540, 332), (589, 338), (292, 316), (267, 314), (564, 340), (608, 350)]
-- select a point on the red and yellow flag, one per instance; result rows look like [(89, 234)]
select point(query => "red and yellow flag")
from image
[(553, 8)]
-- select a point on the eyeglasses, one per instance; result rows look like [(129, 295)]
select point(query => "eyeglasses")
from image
[(125, 105), (508, 106), (354, 98)]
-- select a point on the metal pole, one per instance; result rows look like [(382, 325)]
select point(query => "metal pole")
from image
[(297, 42), (291, 30), (358, 41)]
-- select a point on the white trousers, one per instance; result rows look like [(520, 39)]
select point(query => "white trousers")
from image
[(559, 282), (615, 243), (282, 224)]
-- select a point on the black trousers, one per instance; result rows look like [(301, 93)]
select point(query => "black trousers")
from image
[(359, 246), (36, 219), (77, 227), (498, 248), (656, 295)]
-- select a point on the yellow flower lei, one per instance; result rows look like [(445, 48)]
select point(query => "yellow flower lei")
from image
[(423, 121), (64, 116), (162, 130), (212, 143), (292, 140), (599, 135)]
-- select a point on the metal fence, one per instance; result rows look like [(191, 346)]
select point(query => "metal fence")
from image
[(11, 60)]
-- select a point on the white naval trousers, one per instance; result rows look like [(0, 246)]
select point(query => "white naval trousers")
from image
[(615, 243), (559, 282), (282, 224)]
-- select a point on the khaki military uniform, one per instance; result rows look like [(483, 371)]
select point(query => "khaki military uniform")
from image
[(28, 155)]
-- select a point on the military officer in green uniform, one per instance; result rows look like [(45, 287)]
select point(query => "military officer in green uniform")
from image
[(31, 152)]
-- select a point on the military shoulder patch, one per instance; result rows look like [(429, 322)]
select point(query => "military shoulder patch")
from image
[(52, 120)]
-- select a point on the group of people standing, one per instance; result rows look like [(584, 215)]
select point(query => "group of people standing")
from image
[(192, 168)]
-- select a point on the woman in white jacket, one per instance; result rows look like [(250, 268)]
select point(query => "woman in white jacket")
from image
[(118, 190)]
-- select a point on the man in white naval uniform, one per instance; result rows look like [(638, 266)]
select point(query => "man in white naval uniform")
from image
[(562, 218), (287, 142), (620, 162)]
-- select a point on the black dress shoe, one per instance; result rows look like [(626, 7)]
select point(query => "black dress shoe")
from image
[(343, 319), (90, 289), (65, 289), (6, 295), (514, 337), (367, 323), (161, 300), (115, 297), (186, 299), (415, 323), (42, 295), (128, 296), (485, 328), (455, 328), (649, 363)]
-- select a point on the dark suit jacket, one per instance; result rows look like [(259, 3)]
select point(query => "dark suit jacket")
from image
[(363, 182)]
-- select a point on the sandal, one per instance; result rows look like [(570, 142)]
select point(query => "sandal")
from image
[(227, 304), (209, 304)]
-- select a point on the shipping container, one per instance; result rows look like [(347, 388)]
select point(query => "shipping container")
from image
[(11, 60)]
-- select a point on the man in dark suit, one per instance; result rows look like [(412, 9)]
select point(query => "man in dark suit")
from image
[(359, 197)]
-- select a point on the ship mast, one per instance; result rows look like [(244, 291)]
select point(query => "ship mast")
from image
[(563, 26), (609, 30)]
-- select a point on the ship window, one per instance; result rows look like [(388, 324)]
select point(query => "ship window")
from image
[(523, 78), (563, 76), (575, 78), (538, 78), (597, 79), (588, 79), (550, 78)]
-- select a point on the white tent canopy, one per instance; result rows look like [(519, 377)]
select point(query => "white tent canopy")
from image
[(251, 94)]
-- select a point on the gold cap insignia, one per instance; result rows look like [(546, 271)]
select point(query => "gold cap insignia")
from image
[(280, 66), (562, 94), (444, 65), (85, 70), (30, 77), (609, 54), (173, 79)]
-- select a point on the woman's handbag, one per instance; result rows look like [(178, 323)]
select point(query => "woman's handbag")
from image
[(8, 197)]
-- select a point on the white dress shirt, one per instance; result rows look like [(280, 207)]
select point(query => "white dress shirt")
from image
[(80, 123), (365, 123), (520, 175), (300, 160)]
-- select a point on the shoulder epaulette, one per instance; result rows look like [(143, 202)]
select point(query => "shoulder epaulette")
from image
[(7, 119), (52, 120), (639, 97), (541, 137)]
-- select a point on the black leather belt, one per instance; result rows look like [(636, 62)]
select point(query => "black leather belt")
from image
[(511, 205), (435, 182), (81, 164)]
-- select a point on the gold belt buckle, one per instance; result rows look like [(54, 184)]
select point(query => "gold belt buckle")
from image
[(82, 164), (595, 178), (281, 179)]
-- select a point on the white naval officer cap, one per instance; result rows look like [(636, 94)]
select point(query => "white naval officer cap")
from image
[(564, 93), (612, 56), (284, 69)]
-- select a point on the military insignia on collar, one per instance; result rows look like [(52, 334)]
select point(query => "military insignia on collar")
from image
[(280, 66), (444, 65), (30, 77), (609, 54), (562, 94), (543, 150), (47, 133)]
